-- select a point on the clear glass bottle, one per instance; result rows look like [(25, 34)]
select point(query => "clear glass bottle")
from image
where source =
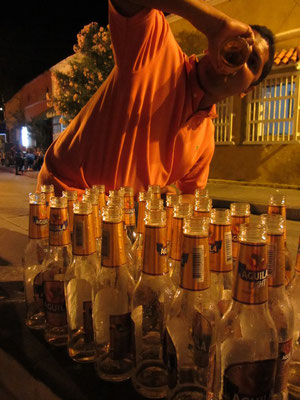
[(220, 257), (171, 200), (92, 197), (152, 297), (34, 254), (277, 205), (280, 306), (71, 196), (80, 278), (49, 192), (248, 335), (102, 197), (191, 349), (294, 369), (180, 211), (240, 214), (55, 265), (200, 193), (112, 302), (234, 53)]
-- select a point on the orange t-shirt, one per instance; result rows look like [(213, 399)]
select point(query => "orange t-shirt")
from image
[(142, 126)]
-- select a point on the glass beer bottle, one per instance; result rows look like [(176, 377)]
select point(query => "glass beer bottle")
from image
[(277, 205), (55, 265), (72, 196), (171, 200), (220, 257), (80, 278), (49, 192), (202, 206), (34, 254), (294, 369), (150, 302), (280, 305), (92, 197), (130, 217), (191, 350), (112, 302), (180, 211), (248, 335)]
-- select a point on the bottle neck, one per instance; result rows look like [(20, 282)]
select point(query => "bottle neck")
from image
[(155, 250), (276, 260), (84, 242), (220, 248), (113, 252), (38, 221), (195, 263), (59, 231)]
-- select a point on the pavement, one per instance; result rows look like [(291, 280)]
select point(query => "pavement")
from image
[(31, 369)]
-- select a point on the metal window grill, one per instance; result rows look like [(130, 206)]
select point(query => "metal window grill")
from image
[(273, 110), (223, 123)]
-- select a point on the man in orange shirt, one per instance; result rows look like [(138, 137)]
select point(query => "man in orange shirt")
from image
[(151, 120)]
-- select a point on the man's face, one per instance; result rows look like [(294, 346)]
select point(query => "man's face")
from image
[(220, 86)]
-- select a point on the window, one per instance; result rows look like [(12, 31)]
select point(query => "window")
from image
[(223, 123), (273, 110)]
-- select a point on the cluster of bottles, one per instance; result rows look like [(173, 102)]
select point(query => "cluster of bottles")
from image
[(186, 300)]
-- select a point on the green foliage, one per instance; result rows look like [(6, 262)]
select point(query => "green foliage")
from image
[(86, 71)]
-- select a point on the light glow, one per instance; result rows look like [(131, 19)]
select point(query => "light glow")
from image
[(25, 136)]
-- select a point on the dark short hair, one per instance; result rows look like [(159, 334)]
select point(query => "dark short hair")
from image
[(268, 35)]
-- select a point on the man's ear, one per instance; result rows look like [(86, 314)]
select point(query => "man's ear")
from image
[(243, 94)]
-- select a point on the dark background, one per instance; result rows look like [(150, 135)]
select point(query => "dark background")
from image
[(34, 36)]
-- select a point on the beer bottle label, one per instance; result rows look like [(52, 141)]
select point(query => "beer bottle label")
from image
[(220, 248), (195, 274), (120, 336), (251, 286), (236, 221), (176, 240), (88, 322), (38, 290), (59, 234), (71, 214), (276, 260), (38, 221), (155, 251), (83, 235), (249, 381), (141, 216), (113, 249), (54, 302), (283, 361), (169, 218), (170, 359), (198, 213), (204, 350)]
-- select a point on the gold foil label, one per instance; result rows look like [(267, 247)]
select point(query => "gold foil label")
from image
[(169, 218), (113, 249), (59, 234), (71, 214), (38, 221), (176, 241), (251, 285), (220, 248), (155, 251), (195, 273), (141, 216), (198, 213), (297, 266), (97, 221), (249, 380), (276, 260), (83, 235), (129, 210)]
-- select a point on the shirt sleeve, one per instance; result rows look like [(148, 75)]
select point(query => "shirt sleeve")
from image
[(139, 39)]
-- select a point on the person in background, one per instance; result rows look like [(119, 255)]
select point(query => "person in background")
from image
[(151, 120)]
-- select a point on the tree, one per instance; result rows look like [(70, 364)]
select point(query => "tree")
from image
[(87, 69)]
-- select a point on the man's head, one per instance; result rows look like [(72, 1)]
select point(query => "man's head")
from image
[(218, 86)]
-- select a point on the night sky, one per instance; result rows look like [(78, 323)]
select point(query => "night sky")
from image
[(34, 37)]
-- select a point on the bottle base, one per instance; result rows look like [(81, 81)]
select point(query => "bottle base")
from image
[(37, 323), (150, 379), (56, 336), (114, 370)]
